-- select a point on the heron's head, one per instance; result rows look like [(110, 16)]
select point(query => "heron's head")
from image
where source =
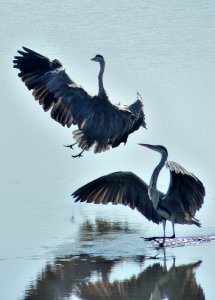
[(158, 148), (99, 58)]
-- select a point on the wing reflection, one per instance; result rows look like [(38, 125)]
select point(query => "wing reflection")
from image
[(178, 283), (91, 278), (90, 230)]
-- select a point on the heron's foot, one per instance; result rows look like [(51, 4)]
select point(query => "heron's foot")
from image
[(78, 155), (154, 257), (154, 238), (161, 245), (70, 146)]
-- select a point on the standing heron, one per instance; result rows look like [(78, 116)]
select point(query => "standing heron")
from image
[(101, 124), (183, 198)]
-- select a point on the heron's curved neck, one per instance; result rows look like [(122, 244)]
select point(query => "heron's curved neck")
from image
[(100, 77), (155, 174)]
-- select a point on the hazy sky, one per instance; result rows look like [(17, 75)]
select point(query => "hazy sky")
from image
[(166, 52)]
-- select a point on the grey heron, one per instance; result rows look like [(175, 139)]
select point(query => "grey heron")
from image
[(101, 124), (183, 198)]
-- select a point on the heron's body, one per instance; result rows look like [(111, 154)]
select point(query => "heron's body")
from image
[(101, 124), (179, 205)]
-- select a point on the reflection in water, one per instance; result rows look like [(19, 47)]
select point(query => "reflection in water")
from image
[(92, 230), (178, 283), (89, 277)]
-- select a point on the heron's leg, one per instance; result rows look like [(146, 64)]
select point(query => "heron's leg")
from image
[(78, 155), (154, 238), (70, 146), (164, 258), (173, 230), (164, 233), (164, 237)]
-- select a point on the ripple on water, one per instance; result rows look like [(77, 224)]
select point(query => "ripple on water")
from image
[(186, 241)]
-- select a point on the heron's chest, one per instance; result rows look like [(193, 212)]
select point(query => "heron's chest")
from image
[(154, 196), (164, 213)]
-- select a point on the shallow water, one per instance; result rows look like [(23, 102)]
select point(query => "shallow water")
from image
[(136, 277), (110, 261), (165, 52)]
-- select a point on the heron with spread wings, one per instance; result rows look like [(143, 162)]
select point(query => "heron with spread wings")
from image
[(101, 124), (184, 196)]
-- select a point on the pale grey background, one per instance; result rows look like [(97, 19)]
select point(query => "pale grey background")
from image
[(163, 50)]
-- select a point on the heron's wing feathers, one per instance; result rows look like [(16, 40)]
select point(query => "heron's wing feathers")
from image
[(185, 187), (119, 188), (100, 123), (127, 119), (52, 87), (137, 109), (109, 125)]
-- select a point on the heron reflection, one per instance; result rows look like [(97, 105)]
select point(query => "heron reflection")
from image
[(90, 278)]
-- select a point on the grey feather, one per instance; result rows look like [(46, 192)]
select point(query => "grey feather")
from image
[(103, 124), (119, 188), (185, 188)]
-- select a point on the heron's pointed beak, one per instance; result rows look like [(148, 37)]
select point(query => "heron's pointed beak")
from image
[(93, 59), (147, 145)]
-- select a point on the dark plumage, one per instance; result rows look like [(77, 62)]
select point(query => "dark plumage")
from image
[(119, 188), (184, 197), (100, 123)]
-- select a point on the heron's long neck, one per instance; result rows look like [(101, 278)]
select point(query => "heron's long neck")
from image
[(100, 77), (155, 174)]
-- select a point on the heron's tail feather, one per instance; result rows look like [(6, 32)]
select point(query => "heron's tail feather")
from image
[(86, 143)]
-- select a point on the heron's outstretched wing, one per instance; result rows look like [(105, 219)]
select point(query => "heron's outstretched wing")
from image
[(119, 188), (185, 188), (100, 123), (52, 87)]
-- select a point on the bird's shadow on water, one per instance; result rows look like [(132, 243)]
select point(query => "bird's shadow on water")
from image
[(98, 276)]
